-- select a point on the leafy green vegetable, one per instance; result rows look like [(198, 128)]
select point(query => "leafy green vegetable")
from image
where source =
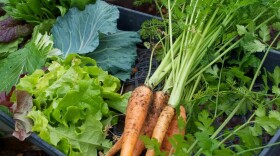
[(36, 11), (78, 31), (116, 53), (25, 60), (71, 104), (12, 29), (7, 48), (94, 32), (119, 103)]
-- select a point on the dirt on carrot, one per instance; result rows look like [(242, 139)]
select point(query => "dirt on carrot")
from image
[(136, 112), (159, 102)]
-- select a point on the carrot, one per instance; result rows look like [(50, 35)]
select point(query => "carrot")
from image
[(136, 113), (172, 130), (116, 148), (160, 100), (161, 126)]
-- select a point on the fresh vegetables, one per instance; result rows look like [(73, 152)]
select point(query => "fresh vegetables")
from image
[(68, 92), (195, 36), (196, 40), (25, 60), (162, 126), (94, 32), (67, 98), (159, 101), (36, 11), (174, 129), (136, 112)]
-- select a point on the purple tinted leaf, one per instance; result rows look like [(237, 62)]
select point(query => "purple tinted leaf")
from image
[(23, 106), (11, 29), (5, 98)]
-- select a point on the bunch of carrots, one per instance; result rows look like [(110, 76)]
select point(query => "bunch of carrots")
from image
[(153, 113), (144, 100)]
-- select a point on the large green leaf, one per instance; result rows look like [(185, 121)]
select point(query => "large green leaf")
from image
[(116, 53), (25, 60), (78, 31)]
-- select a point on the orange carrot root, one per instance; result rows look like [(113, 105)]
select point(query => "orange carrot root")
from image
[(136, 113), (158, 104), (162, 126), (116, 148), (172, 130)]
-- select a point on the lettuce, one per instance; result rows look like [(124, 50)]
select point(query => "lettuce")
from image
[(72, 101)]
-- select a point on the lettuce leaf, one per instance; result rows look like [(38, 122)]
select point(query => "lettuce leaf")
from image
[(72, 100), (85, 139)]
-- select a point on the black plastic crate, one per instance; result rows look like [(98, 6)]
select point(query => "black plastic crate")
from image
[(33, 138)]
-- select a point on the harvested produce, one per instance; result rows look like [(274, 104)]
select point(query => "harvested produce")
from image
[(193, 37), (159, 101), (174, 129), (68, 98), (136, 112)]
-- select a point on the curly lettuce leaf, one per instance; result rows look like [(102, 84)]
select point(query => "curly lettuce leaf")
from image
[(68, 98), (85, 139), (78, 31), (118, 103)]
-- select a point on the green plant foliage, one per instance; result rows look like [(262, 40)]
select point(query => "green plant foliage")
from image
[(36, 11), (116, 53), (25, 60), (71, 104), (94, 32), (78, 31)]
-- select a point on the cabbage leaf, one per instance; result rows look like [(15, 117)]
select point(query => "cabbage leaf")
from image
[(78, 31), (94, 32)]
